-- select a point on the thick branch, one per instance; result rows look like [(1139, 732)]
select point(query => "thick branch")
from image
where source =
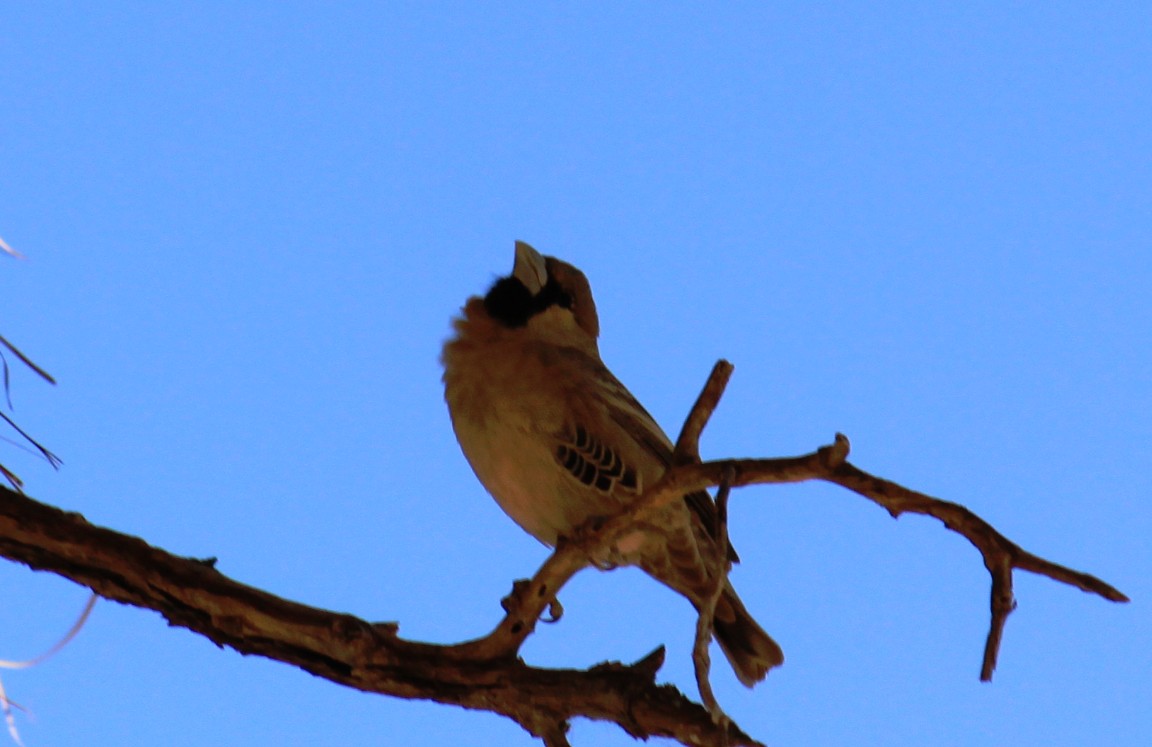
[(344, 649)]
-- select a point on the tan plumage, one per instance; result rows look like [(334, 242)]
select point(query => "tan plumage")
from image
[(557, 439)]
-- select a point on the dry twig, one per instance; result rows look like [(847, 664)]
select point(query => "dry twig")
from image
[(11, 477), (706, 615)]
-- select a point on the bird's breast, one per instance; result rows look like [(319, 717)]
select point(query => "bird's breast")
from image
[(506, 405)]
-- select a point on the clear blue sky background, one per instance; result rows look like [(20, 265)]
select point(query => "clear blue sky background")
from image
[(928, 226)]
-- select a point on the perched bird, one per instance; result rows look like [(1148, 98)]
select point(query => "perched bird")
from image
[(557, 439)]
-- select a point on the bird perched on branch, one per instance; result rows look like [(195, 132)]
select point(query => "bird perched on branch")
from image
[(557, 439)]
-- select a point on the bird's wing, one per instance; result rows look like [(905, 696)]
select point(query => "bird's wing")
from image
[(630, 415)]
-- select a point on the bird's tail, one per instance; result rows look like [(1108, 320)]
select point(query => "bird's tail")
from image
[(750, 650)]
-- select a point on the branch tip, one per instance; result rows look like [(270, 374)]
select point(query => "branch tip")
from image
[(687, 448)]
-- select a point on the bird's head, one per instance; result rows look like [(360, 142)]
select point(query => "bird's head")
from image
[(545, 295)]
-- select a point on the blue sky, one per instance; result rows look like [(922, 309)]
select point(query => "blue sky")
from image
[(924, 225)]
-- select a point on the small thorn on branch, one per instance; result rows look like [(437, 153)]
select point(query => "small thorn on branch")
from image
[(650, 664), (836, 454)]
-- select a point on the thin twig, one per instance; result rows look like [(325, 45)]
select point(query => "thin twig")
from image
[(51, 458), (706, 615), (1000, 554), (60, 644), (27, 361), (12, 478), (687, 448)]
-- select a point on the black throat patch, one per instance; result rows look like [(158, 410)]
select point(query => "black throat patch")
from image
[(510, 303)]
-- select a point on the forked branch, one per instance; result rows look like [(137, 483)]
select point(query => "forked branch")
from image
[(1001, 555)]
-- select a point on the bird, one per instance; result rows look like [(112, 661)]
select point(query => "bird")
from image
[(557, 440)]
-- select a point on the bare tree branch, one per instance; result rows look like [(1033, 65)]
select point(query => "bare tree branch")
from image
[(371, 657), (486, 674)]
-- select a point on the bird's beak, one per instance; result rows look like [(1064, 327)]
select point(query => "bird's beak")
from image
[(530, 268)]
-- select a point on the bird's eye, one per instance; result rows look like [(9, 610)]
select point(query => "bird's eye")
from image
[(553, 294)]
